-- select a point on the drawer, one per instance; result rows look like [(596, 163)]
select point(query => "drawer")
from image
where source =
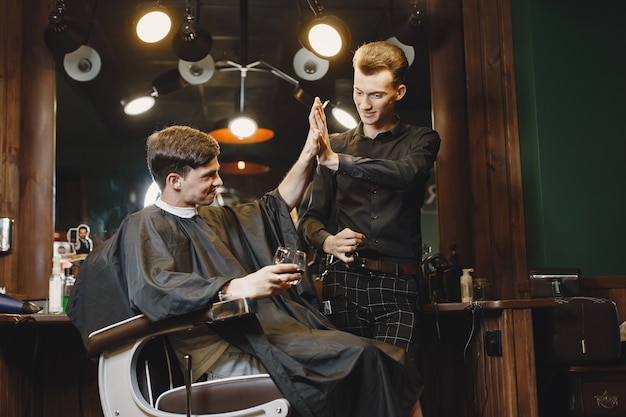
[(598, 392)]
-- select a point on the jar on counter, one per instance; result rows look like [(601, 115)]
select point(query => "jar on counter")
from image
[(482, 289)]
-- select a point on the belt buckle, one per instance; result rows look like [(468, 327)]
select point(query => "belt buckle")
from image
[(327, 309)]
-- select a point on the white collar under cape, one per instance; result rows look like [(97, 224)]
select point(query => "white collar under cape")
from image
[(184, 212)]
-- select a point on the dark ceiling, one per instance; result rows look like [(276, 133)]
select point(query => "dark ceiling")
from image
[(94, 134)]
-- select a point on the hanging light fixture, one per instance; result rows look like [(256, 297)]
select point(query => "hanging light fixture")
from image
[(326, 35), (342, 109), (243, 125), (165, 83), (412, 29), (199, 72), (343, 116), (154, 24), (83, 64), (409, 51), (242, 128), (309, 66), (63, 33), (139, 103), (168, 82), (191, 42), (243, 168)]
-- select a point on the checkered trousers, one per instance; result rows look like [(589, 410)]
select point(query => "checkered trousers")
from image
[(374, 304)]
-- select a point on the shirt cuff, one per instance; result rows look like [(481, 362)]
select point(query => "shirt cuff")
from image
[(346, 163)]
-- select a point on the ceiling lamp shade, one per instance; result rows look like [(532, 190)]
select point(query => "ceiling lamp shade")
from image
[(139, 103), (198, 72), (242, 126), (168, 82), (243, 168), (154, 24), (191, 42), (408, 50), (309, 66), (224, 135), (63, 34), (414, 28), (83, 64), (343, 116), (326, 36)]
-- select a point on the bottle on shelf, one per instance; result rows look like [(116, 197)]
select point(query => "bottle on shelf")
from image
[(68, 286), (467, 287), (55, 288)]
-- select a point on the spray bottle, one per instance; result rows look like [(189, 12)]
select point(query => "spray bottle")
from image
[(55, 288), (467, 286)]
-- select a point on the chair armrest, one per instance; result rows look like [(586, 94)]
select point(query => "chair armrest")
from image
[(141, 327)]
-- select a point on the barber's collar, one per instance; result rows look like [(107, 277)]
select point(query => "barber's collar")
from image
[(184, 212), (392, 133)]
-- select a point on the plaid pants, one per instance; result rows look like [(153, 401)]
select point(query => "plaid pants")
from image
[(375, 305)]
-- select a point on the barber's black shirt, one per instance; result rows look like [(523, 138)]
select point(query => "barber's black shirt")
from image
[(378, 190)]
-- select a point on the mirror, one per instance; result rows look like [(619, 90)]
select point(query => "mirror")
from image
[(101, 174)]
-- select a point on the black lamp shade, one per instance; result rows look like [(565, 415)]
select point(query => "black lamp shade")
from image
[(168, 82), (195, 49), (65, 36), (413, 29)]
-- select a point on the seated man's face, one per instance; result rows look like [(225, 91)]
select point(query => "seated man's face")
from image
[(199, 186)]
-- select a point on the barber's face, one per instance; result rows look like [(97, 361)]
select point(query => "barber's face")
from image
[(375, 97), (200, 185)]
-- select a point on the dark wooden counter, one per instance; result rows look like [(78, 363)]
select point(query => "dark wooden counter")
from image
[(463, 375), (43, 368)]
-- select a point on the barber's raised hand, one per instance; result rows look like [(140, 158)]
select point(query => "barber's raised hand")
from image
[(343, 244), (266, 282), (318, 127)]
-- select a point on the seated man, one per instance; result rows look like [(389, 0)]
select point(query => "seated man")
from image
[(180, 256)]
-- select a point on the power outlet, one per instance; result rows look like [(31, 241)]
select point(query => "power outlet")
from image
[(493, 343)]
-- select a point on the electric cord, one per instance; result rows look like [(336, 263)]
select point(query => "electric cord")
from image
[(437, 326), (484, 363), (473, 308), (477, 314), (438, 377)]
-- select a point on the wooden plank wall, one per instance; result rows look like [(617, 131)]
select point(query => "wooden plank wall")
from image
[(27, 143)]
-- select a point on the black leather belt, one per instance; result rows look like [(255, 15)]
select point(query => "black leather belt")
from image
[(386, 266)]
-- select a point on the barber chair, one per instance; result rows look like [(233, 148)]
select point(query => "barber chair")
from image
[(138, 374)]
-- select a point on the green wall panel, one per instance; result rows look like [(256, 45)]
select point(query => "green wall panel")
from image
[(571, 82)]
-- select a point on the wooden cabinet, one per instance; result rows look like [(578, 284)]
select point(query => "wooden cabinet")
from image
[(479, 358), (43, 369), (597, 391)]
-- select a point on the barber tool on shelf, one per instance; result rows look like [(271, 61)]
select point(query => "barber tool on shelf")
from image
[(10, 305), (441, 278), (55, 288), (6, 235)]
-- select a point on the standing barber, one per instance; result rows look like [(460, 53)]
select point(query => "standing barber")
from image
[(365, 206)]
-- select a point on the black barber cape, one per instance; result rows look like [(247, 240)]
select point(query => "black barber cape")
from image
[(162, 265)]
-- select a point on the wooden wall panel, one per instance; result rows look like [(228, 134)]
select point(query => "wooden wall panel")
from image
[(494, 153), (37, 155), (447, 80), (10, 89)]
